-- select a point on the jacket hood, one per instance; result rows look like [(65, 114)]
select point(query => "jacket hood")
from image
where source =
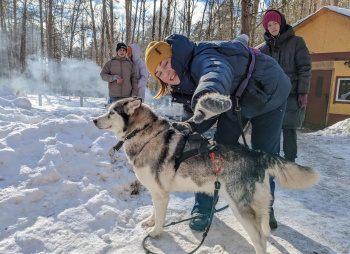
[(283, 22), (181, 59), (182, 54), (136, 51)]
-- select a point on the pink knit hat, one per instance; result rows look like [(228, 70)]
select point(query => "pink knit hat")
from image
[(271, 15)]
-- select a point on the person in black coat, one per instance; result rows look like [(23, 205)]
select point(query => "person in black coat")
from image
[(214, 70), (291, 53)]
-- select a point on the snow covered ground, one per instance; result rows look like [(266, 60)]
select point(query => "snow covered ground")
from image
[(59, 193)]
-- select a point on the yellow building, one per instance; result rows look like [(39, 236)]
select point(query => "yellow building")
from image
[(327, 36)]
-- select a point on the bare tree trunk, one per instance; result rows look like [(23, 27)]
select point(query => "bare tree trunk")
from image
[(62, 44), (173, 20), (232, 9), (128, 4), (208, 32), (301, 9), (109, 41), (253, 25), (102, 34), (202, 21), (138, 26), (284, 5), (220, 21), (167, 20), (4, 64), (23, 38), (94, 31), (73, 24), (188, 18), (50, 31), (143, 20), (245, 17), (134, 28), (111, 20), (154, 21), (42, 40), (336, 2), (15, 31), (160, 20), (315, 6)]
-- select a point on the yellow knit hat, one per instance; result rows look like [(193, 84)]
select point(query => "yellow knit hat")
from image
[(156, 52)]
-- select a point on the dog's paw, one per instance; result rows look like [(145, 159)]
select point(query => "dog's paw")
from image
[(211, 105), (149, 222), (111, 153), (153, 232)]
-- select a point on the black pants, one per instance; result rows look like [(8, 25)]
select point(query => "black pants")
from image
[(290, 144)]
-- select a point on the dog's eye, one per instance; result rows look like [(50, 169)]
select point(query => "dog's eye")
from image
[(111, 113)]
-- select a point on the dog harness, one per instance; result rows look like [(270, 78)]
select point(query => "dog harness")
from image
[(206, 146)]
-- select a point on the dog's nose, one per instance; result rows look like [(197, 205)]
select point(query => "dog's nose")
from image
[(95, 121)]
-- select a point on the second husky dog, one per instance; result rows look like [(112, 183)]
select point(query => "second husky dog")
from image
[(152, 146)]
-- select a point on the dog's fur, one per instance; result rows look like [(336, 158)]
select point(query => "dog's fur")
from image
[(244, 180)]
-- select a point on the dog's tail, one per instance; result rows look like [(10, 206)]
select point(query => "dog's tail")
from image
[(290, 175)]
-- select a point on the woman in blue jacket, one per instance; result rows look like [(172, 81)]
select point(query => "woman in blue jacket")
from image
[(191, 70)]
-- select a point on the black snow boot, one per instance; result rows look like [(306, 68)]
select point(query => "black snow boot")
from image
[(272, 222)]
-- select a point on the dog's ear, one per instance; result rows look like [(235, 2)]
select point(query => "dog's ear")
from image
[(131, 106)]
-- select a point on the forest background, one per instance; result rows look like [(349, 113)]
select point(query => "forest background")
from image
[(55, 32)]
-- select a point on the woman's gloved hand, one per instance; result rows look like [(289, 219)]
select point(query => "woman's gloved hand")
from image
[(209, 105)]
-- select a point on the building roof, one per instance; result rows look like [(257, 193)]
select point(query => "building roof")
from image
[(343, 11)]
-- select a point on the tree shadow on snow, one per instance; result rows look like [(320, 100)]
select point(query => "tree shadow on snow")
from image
[(299, 241)]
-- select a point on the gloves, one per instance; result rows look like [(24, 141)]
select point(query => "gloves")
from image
[(120, 80), (302, 100), (115, 77), (183, 127), (210, 105)]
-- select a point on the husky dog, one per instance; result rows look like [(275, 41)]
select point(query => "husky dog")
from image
[(152, 146)]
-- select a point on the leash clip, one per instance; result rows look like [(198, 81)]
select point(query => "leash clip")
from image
[(217, 185)]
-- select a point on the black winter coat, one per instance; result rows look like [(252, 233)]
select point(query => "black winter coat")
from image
[(291, 53)]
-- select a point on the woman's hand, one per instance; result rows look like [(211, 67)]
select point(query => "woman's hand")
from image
[(209, 105), (302, 99)]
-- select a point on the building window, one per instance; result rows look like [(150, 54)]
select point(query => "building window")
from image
[(319, 86), (343, 90)]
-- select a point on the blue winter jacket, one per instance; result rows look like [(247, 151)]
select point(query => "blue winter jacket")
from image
[(220, 66)]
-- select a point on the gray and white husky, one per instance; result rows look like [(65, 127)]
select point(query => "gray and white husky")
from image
[(152, 146)]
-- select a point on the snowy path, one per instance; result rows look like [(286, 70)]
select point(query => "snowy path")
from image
[(59, 193)]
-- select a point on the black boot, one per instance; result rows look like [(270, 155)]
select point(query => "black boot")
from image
[(291, 159), (200, 223), (272, 222)]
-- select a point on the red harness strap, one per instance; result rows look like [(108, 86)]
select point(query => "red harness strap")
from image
[(217, 170)]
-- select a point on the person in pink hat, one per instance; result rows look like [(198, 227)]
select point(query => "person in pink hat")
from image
[(293, 56)]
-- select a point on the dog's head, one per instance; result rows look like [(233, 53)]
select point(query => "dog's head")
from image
[(122, 116)]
